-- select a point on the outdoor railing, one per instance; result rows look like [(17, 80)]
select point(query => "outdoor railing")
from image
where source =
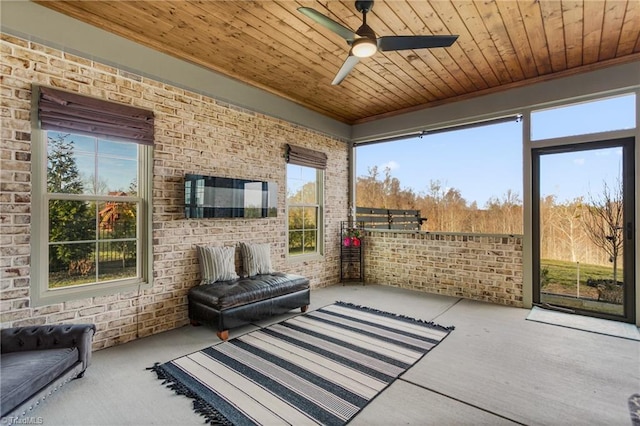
[(377, 218)]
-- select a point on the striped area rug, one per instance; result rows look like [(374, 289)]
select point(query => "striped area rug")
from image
[(321, 367)]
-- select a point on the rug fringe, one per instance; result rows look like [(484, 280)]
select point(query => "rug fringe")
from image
[(200, 406), (634, 409), (396, 316)]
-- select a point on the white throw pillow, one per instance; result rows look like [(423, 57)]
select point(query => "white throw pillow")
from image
[(256, 259), (216, 263)]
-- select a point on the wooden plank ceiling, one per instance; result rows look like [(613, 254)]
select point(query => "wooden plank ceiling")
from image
[(270, 45)]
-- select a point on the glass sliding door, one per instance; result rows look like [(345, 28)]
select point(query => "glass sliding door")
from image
[(583, 228)]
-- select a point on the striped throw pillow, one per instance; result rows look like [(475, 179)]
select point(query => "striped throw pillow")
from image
[(256, 259), (216, 264)]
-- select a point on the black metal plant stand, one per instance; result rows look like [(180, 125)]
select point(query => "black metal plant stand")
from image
[(352, 252)]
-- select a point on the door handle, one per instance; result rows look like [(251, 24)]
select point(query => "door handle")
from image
[(629, 231)]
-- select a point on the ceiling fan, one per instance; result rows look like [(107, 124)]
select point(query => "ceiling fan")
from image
[(364, 42)]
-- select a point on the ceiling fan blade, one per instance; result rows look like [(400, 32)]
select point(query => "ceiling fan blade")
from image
[(346, 68), (390, 43), (329, 23)]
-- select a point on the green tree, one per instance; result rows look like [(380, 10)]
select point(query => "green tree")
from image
[(69, 220), (303, 219)]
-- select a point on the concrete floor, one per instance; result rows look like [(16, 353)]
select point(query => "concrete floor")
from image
[(494, 368)]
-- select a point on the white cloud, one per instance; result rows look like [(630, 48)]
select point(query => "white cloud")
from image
[(392, 165), (579, 161)]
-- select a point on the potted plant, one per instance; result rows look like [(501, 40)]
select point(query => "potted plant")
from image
[(351, 237)]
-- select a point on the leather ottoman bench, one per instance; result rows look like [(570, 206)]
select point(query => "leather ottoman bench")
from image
[(229, 304)]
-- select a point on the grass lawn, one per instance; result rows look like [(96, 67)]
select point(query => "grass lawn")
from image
[(561, 288), (565, 273), (109, 271)]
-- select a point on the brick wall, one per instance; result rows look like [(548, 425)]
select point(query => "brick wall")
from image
[(480, 267), (194, 134)]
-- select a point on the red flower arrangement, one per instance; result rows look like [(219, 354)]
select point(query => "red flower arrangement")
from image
[(351, 237)]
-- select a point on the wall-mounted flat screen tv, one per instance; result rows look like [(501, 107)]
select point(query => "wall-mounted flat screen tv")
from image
[(210, 196)]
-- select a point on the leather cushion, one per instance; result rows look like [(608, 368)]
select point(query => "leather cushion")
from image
[(25, 373), (228, 294)]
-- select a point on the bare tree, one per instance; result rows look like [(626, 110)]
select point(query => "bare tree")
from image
[(505, 213), (603, 222), (386, 192), (566, 219)]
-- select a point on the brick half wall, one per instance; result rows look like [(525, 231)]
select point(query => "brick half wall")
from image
[(472, 266)]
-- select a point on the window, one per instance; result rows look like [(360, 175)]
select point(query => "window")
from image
[(305, 177), (91, 224), (304, 207), (465, 179), (601, 115)]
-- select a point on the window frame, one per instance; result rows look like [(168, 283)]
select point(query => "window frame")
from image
[(319, 252), (41, 294)]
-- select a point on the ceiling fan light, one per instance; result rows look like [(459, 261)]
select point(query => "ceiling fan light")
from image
[(364, 47)]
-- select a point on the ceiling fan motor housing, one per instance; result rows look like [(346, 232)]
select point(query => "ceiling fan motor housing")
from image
[(364, 6), (365, 31)]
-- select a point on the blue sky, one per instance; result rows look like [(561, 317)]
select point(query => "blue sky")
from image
[(486, 161), (581, 173), (115, 163)]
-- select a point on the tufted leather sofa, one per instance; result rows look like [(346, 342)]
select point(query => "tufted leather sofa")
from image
[(37, 360), (229, 304)]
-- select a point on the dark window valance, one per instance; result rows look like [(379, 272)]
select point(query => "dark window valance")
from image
[(306, 157), (73, 113)]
